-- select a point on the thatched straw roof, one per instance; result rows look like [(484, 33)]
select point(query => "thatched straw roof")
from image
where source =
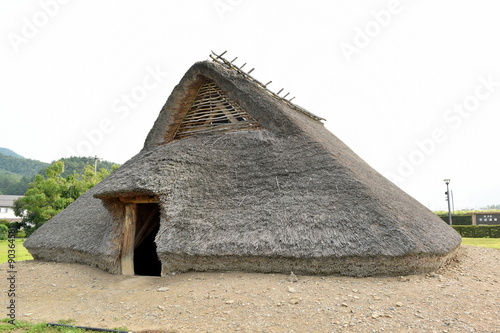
[(271, 191)]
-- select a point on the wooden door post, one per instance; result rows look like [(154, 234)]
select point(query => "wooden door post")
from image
[(129, 225)]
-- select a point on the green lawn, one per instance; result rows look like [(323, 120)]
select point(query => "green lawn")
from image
[(25, 327), (21, 252), (483, 242)]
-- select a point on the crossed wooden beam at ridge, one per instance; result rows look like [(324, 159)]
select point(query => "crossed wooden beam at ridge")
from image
[(221, 60)]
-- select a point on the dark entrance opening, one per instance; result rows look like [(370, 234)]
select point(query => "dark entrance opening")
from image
[(146, 260)]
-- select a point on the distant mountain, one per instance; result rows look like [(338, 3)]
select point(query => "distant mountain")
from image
[(16, 172), (9, 152), (20, 165)]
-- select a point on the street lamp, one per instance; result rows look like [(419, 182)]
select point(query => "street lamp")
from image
[(447, 181)]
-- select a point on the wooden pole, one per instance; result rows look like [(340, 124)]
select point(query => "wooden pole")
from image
[(129, 225)]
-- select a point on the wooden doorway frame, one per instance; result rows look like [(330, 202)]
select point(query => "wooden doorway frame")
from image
[(129, 230)]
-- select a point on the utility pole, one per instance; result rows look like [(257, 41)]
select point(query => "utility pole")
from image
[(95, 169), (452, 203), (447, 182)]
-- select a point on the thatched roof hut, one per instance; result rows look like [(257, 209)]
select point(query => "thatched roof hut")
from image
[(233, 178)]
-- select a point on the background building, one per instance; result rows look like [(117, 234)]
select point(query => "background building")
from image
[(7, 208)]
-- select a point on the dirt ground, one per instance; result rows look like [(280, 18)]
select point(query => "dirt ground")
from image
[(462, 297)]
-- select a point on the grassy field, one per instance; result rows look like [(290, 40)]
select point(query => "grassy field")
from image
[(483, 242), (25, 327), (21, 252)]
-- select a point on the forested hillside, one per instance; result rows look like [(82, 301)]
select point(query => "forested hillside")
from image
[(9, 152), (20, 166), (16, 172), (78, 165)]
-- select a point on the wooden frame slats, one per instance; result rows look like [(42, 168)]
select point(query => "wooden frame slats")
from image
[(211, 111)]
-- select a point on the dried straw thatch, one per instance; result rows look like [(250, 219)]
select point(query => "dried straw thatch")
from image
[(258, 186)]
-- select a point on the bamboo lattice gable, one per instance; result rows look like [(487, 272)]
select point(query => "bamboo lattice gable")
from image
[(212, 111)]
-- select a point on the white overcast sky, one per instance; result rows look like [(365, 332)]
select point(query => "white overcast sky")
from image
[(413, 87)]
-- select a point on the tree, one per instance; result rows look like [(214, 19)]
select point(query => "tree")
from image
[(43, 200), (15, 183), (81, 183), (7, 180), (4, 232), (48, 195), (20, 187), (79, 164)]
